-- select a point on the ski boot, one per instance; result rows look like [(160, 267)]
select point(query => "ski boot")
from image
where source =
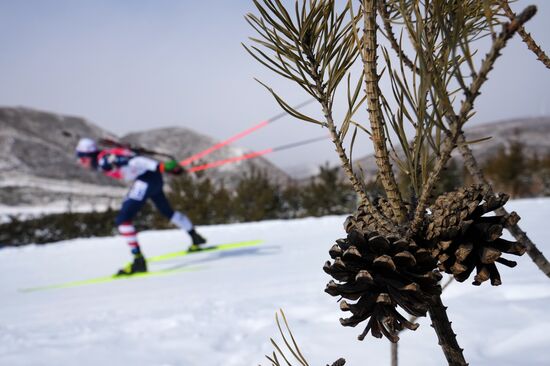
[(139, 265), (198, 240)]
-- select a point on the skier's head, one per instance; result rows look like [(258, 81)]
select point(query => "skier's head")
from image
[(87, 151)]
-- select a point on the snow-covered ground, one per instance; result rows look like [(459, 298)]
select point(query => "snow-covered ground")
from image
[(222, 312)]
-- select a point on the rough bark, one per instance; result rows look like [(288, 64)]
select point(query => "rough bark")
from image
[(381, 153)]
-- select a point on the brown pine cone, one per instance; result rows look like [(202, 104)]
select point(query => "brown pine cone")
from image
[(379, 273), (464, 239), (363, 221)]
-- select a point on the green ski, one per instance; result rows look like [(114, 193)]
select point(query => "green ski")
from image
[(211, 248), (157, 258), (112, 278)]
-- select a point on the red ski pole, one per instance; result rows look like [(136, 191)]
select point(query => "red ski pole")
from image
[(240, 135), (252, 155)]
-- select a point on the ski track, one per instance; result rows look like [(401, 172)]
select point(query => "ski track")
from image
[(223, 313)]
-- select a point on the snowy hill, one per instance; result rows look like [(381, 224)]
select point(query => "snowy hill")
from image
[(221, 311), (38, 166), (37, 163)]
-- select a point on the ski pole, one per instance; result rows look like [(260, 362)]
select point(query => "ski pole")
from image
[(137, 149), (112, 142), (252, 155), (240, 135)]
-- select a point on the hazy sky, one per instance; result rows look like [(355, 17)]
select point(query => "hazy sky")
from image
[(131, 65)]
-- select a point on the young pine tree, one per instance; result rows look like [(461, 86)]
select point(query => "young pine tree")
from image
[(396, 245)]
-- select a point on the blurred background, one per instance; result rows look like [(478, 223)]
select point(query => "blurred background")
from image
[(131, 66)]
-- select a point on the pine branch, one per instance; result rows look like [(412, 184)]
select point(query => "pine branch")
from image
[(394, 353), (345, 161), (445, 334), (449, 143), (326, 102), (475, 171), (369, 55), (316, 52), (526, 37), (390, 35), (339, 362), (291, 345), (477, 174), (293, 348)]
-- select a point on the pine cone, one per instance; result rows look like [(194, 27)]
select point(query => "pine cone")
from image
[(464, 239), (381, 272), (363, 221)]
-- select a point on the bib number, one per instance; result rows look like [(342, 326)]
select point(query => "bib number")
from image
[(138, 190)]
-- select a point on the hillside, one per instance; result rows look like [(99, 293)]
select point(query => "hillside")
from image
[(37, 161), (38, 165)]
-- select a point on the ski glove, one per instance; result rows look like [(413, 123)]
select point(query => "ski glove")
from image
[(171, 166)]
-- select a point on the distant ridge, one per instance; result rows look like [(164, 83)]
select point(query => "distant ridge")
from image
[(533, 132)]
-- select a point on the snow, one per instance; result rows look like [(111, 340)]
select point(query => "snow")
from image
[(25, 212), (62, 186), (222, 311)]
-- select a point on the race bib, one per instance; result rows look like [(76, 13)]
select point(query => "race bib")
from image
[(138, 190)]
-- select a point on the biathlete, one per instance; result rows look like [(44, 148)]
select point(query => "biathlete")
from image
[(146, 173)]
